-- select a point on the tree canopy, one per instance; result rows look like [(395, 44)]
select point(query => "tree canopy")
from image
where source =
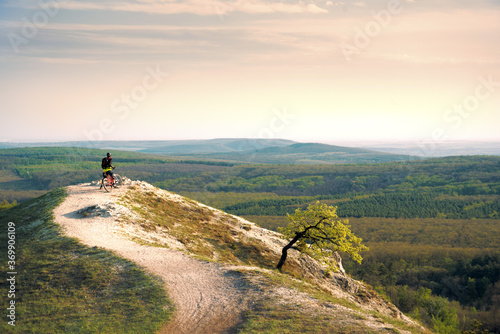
[(318, 234)]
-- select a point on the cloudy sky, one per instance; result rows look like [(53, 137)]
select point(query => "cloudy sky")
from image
[(311, 70)]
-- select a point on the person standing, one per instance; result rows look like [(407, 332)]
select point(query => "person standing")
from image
[(107, 167)]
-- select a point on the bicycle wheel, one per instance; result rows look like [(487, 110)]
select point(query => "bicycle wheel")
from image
[(118, 180), (105, 184)]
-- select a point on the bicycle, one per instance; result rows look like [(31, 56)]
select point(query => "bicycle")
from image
[(108, 182)]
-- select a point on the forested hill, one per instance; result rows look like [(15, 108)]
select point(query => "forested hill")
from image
[(29, 172), (186, 147), (166, 147), (240, 150), (314, 148), (306, 153)]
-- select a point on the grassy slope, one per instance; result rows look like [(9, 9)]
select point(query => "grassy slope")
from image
[(63, 286), (221, 238)]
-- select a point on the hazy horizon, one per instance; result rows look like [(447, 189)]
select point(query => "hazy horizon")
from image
[(309, 71), (339, 142)]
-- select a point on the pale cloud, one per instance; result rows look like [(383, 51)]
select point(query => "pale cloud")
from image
[(298, 39), (67, 61), (197, 7), (435, 60), (218, 7)]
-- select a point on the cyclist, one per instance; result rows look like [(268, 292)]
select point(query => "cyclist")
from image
[(107, 167)]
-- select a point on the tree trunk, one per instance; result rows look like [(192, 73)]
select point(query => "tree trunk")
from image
[(284, 252)]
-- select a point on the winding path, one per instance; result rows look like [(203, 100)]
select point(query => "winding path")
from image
[(208, 298)]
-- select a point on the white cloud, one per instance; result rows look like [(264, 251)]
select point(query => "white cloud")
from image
[(359, 4), (197, 7)]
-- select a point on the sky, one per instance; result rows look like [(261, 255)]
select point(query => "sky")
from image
[(311, 70)]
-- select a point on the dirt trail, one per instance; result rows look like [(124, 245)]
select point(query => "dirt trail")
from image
[(208, 297)]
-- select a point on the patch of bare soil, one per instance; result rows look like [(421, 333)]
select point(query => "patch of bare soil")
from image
[(208, 297)]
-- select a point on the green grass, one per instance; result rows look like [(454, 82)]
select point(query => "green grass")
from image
[(220, 200), (271, 318), (219, 237), (278, 279), (211, 237), (270, 222), (273, 315), (65, 287), (396, 323)]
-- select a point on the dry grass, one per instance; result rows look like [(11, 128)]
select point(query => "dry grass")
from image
[(295, 299), (287, 305), (205, 232)]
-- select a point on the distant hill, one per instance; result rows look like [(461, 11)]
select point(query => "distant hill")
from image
[(224, 145), (307, 153), (166, 147), (231, 145), (437, 149), (6, 145), (241, 150)]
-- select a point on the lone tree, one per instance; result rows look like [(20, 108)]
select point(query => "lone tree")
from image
[(318, 234)]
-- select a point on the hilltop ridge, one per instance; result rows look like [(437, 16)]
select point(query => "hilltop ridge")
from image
[(219, 268), (239, 150)]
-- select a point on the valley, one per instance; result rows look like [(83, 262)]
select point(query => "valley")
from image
[(432, 225)]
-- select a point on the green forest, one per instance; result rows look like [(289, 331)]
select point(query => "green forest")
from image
[(432, 226)]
